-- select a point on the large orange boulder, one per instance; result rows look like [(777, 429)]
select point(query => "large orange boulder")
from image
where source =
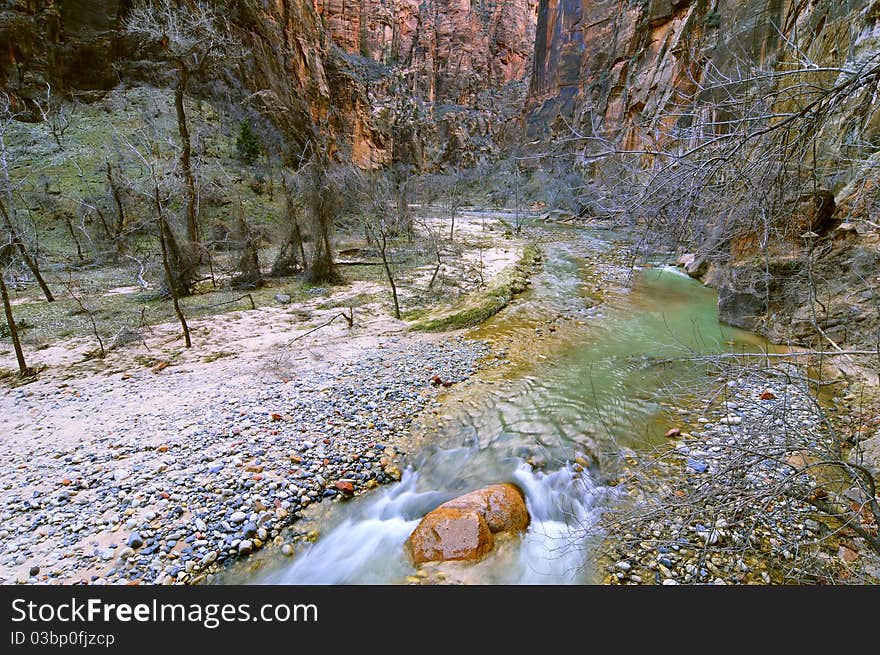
[(450, 533), (502, 505), (463, 528)]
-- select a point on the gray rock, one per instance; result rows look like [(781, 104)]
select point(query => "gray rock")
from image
[(135, 540)]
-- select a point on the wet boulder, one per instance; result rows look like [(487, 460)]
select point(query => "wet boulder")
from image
[(450, 534), (463, 528)]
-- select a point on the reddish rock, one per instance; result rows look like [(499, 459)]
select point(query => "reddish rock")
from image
[(847, 554), (502, 505), (463, 528), (672, 432), (345, 487), (450, 533), (451, 43)]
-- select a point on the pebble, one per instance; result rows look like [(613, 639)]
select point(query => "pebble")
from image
[(713, 549), (135, 540), (179, 497)]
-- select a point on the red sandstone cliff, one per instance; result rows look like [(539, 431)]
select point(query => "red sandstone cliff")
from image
[(456, 48), (639, 74)]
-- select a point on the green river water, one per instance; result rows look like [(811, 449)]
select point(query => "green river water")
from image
[(584, 393)]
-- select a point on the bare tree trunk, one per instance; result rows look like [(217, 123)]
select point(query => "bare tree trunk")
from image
[(169, 276), (117, 200), (249, 261), (30, 262), (383, 250), (292, 256), (436, 270), (74, 237), (23, 369), (102, 352), (192, 226), (321, 267)]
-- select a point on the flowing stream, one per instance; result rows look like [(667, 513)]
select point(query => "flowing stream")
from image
[(552, 421)]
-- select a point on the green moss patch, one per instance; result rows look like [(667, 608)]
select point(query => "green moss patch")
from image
[(481, 305)]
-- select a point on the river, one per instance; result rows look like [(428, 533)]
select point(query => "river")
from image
[(576, 395)]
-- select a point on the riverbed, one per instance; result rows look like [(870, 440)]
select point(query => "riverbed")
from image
[(573, 398)]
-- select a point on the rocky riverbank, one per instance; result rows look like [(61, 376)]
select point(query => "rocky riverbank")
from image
[(206, 473), (740, 494)]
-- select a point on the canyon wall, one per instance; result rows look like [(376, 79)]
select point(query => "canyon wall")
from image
[(346, 73), (433, 83), (633, 75), (80, 49), (454, 49)]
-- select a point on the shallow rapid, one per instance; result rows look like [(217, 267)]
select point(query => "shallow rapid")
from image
[(583, 385)]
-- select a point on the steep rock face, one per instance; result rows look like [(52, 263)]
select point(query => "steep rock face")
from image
[(429, 84), (635, 73), (364, 77), (454, 49), (70, 45), (78, 47), (626, 67)]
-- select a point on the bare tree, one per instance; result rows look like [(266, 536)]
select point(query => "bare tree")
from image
[(57, 116), (73, 292), (291, 256), (7, 202), (382, 225), (177, 265), (249, 274), (6, 255), (196, 38), (453, 196), (327, 193)]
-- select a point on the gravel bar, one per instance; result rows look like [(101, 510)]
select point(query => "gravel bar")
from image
[(167, 494)]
